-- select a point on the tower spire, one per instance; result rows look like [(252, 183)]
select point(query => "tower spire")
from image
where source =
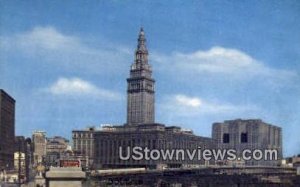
[(141, 53), (142, 41)]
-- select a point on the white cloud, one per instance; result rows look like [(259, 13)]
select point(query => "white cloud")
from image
[(183, 105), (219, 61), (40, 39), (79, 87), (188, 101), (48, 45), (48, 38)]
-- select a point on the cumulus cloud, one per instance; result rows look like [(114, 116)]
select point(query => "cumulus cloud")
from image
[(183, 105), (78, 87), (220, 61)]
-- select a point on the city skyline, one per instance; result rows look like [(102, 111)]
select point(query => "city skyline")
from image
[(211, 64)]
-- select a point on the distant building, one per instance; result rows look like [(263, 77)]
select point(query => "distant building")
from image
[(19, 160), (296, 161), (292, 161), (7, 130), (55, 148), (249, 134), (24, 149), (39, 146), (57, 144), (20, 144), (83, 144), (19, 152)]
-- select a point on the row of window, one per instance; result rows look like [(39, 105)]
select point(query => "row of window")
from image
[(83, 135), (243, 138)]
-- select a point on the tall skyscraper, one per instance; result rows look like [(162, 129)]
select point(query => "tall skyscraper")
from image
[(7, 130), (140, 101)]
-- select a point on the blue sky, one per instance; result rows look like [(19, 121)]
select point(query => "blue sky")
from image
[(66, 62)]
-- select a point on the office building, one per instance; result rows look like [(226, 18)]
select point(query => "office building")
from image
[(7, 130), (252, 134)]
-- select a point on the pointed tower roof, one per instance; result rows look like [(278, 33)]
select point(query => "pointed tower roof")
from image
[(141, 53), (142, 41)]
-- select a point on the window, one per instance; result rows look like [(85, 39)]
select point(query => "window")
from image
[(244, 138), (226, 138)]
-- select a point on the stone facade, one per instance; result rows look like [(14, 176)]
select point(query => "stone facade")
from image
[(39, 146), (249, 134), (7, 130), (66, 177), (153, 136), (55, 149), (103, 145), (140, 90), (23, 145), (83, 143), (20, 151), (141, 129)]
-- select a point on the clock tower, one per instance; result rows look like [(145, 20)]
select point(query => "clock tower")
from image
[(140, 90)]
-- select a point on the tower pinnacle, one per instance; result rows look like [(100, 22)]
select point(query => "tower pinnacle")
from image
[(141, 53), (142, 39)]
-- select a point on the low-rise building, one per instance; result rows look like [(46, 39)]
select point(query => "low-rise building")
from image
[(154, 136)]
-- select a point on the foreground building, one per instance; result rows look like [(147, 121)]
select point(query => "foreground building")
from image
[(141, 129), (152, 136), (249, 134), (7, 130), (102, 146)]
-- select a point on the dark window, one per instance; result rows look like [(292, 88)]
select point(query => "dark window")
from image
[(244, 138), (225, 138)]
